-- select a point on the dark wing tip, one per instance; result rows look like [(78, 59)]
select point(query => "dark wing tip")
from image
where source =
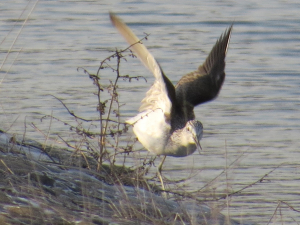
[(214, 63), (204, 84), (113, 18), (111, 14), (226, 36)]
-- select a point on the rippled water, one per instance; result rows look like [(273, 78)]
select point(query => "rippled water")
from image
[(256, 117)]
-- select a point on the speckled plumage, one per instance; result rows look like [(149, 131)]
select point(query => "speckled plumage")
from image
[(166, 123)]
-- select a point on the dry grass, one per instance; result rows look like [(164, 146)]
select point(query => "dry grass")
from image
[(93, 149)]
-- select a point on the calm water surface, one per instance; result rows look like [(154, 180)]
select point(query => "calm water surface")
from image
[(255, 120)]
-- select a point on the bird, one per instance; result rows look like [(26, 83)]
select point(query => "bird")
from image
[(166, 124)]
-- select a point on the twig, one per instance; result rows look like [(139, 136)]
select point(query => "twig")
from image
[(9, 170), (237, 159), (278, 205), (250, 185), (43, 148), (121, 51), (16, 38), (290, 207)]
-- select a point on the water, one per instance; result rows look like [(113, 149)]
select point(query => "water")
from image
[(255, 120)]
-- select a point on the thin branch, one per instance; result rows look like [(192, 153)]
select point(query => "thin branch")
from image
[(121, 51), (16, 38), (78, 117), (290, 207), (9, 170), (43, 149), (252, 184), (125, 77), (277, 207)]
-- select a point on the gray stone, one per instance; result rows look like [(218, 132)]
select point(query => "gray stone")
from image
[(35, 190)]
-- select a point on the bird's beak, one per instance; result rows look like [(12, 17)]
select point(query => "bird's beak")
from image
[(198, 144)]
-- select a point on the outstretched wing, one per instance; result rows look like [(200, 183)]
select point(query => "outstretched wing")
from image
[(205, 83), (162, 93)]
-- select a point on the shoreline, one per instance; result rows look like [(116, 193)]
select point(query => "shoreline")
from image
[(38, 191)]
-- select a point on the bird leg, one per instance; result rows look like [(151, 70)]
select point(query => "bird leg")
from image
[(159, 173)]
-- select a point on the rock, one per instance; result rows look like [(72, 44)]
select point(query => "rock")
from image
[(39, 187)]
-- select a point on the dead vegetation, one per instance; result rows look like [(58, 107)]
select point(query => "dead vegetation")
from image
[(83, 181)]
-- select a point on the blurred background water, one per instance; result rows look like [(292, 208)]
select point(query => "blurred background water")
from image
[(255, 121)]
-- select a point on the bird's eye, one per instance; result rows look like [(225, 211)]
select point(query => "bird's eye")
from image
[(188, 129)]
